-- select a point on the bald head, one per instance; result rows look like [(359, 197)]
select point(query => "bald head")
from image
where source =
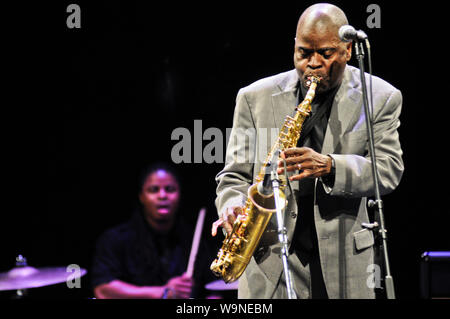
[(321, 18), (318, 49)]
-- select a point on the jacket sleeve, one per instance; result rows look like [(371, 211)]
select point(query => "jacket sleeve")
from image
[(237, 175), (354, 172)]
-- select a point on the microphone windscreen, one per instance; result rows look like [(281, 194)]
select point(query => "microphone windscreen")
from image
[(346, 33)]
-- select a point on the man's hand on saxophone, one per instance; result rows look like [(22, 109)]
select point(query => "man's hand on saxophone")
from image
[(306, 161), (226, 220)]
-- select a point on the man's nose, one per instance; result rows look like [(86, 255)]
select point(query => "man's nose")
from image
[(315, 61)]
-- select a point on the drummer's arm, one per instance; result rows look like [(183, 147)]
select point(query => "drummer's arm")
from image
[(118, 289), (177, 287)]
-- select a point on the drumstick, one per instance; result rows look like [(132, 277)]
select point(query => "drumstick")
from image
[(195, 242)]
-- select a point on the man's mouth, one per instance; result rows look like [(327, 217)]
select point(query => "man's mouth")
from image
[(308, 75), (306, 81)]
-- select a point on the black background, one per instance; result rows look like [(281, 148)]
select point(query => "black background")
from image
[(87, 108)]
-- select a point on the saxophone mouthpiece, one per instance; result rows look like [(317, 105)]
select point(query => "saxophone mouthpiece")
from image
[(312, 79)]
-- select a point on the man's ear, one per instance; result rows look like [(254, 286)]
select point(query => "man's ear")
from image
[(349, 50)]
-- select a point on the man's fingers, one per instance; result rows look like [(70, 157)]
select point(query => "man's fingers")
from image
[(300, 176), (230, 214), (215, 225), (310, 171), (295, 164), (297, 159), (221, 223), (227, 220), (228, 227), (237, 210), (294, 151)]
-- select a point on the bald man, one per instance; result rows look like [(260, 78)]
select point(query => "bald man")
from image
[(331, 253)]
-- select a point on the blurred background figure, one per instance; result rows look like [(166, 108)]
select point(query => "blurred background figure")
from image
[(147, 256)]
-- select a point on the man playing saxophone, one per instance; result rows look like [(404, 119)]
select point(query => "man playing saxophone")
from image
[(329, 170)]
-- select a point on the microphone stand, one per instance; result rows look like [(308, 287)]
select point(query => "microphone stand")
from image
[(378, 203), (282, 232)]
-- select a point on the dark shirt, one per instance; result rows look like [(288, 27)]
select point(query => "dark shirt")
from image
[(133, 253), (312, 137)]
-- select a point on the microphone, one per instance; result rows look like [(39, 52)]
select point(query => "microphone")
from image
[(264, 187), (348, 33)]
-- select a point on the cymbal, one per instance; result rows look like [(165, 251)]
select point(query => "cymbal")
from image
[(221, 285), (30, 277)]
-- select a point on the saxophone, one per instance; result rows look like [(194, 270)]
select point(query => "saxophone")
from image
[(238, 247)]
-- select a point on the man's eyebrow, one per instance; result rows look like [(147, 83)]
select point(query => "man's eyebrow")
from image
[(327, 49), (318, 50)]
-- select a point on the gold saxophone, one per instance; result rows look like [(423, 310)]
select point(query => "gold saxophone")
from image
[(239, 246)]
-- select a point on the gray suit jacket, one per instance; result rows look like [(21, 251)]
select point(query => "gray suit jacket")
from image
[(346, 248)]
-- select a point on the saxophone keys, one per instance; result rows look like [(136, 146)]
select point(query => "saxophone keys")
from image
[(289, 118), (228, 260)]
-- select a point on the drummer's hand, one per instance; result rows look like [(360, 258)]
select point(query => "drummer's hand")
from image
[(180, 287), (226, 220)]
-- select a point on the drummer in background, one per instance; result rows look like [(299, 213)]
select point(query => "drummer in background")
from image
[(147, 256)]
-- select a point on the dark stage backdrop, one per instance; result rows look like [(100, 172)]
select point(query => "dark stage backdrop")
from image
[(91, 106)]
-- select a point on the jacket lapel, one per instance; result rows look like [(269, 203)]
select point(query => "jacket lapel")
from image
[(344, 111), (284, 102)]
